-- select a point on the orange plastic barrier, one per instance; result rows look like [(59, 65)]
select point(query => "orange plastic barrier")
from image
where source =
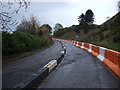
[(75, 43), (79, 44), (109, 57), (86, 46), (112, 61), (95, 50)]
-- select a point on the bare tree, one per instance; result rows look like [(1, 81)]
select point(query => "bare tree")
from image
[(7, 12), (29, 26), (58, 26)]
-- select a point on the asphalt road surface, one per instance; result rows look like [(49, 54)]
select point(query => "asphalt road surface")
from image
[(15, 73), (79, 69)]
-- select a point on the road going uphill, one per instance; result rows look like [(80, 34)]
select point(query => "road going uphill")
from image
[(80, 69)]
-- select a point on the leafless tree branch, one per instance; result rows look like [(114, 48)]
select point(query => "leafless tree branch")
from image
[(6, 17)]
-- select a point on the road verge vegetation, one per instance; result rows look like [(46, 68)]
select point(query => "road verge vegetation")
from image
[(28, 37), (19, 42)]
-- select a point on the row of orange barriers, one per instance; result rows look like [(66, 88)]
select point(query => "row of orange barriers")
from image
[(109, 57)]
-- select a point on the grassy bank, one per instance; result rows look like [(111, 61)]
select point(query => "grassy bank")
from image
[(105, 35)]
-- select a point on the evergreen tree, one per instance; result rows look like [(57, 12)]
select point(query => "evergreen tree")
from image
[(89, 16), (81, 18)]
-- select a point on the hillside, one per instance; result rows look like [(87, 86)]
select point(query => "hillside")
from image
[(106, 34)]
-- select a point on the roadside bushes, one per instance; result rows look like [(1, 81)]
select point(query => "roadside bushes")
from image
[(20, 42), (28, 36)]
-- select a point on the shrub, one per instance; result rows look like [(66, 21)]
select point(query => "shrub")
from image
[(20, 42)]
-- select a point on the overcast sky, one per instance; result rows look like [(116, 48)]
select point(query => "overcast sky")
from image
[(66, 12)]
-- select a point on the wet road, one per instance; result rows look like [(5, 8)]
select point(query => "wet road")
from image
[(17, 72), (79, 69)]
